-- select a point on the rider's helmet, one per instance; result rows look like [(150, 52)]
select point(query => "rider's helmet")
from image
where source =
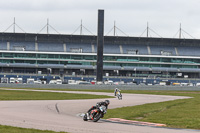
[(107, 102)]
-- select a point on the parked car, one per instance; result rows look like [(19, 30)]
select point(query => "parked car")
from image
[(108, 82), (197, 84), (85, 83), (176, 84), (37, 82), (52, 82)]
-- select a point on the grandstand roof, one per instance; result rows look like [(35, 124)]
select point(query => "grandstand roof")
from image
[(63, 38)]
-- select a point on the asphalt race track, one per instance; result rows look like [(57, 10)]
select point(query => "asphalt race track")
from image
[(64, 115)]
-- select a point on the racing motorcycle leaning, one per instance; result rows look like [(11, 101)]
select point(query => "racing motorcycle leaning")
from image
[(118, 93), (95, 114)]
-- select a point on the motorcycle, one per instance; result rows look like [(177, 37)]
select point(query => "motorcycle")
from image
[(119, 95), (95, 114)]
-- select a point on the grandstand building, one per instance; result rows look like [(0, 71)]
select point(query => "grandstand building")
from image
[(77, 55)]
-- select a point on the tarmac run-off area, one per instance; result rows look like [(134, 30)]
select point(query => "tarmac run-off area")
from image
[(64, 115)]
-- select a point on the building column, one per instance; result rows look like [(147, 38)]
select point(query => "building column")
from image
[(8, 46)]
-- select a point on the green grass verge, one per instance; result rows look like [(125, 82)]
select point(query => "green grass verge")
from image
[(9, 129), (183, 113), (31, 95)]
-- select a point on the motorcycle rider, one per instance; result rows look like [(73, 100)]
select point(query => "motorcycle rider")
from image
[(104, 103), (117, 91)]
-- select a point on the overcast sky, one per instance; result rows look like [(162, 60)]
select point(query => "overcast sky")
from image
[(131, 16)]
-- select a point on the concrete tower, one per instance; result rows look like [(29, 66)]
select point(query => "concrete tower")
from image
[(100, 43)]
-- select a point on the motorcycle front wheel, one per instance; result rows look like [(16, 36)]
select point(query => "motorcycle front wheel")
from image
[(97, 116), (119, 97), (85, 117)]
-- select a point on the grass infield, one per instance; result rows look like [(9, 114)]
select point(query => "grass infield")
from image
[(31, 95)]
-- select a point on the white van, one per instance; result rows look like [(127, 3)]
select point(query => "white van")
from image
[(72, 82), (38, 82), (108, 82), (162, 83), (12, 80), (19, 80), (30, 81), (184, 84), (53, 82), (197, 84), (4, 80), (58, 81)]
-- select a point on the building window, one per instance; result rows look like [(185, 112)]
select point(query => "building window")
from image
[(76, 50), (19, 48), (165, 53), (135, 52)]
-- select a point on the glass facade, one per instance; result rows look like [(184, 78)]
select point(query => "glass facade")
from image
[(109, 60)]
